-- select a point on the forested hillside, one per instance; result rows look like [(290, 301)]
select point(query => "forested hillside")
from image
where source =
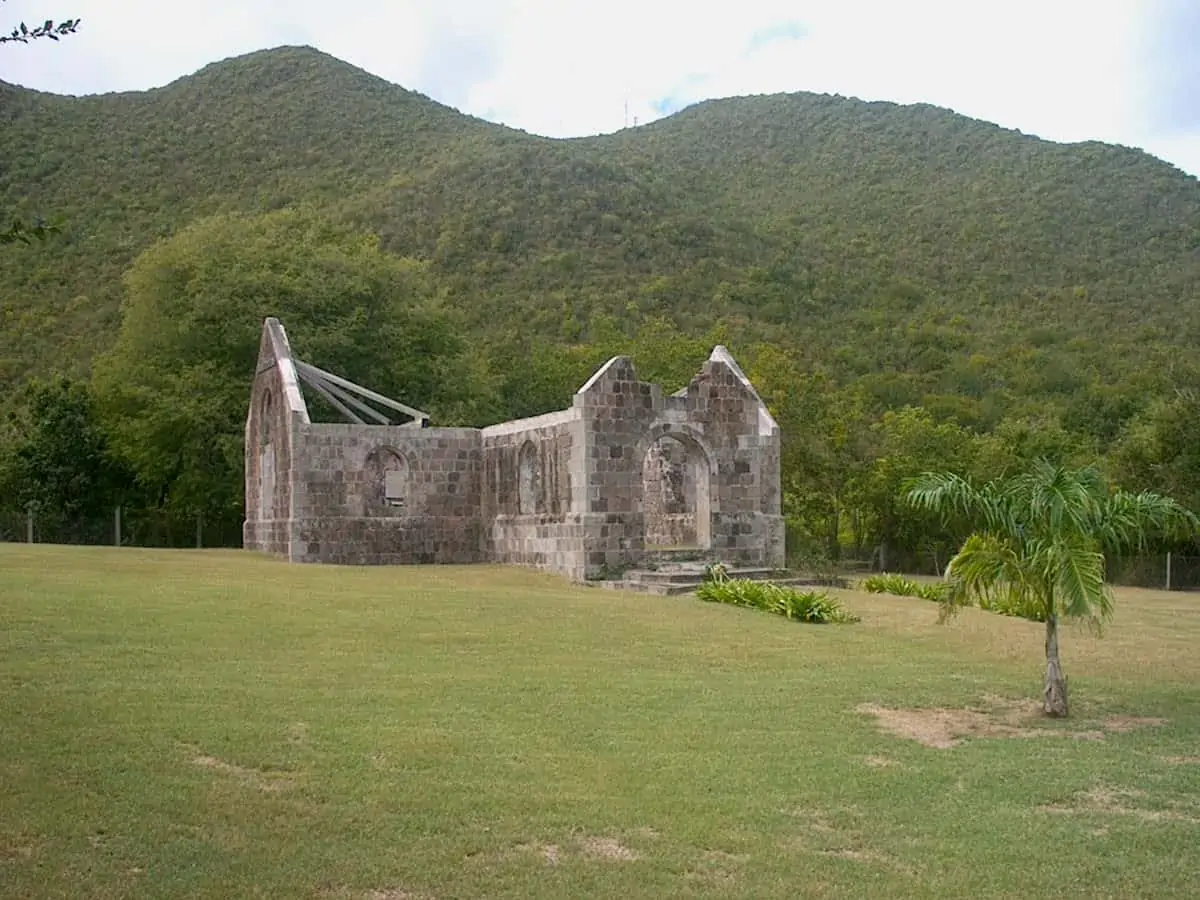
[(905, 283)]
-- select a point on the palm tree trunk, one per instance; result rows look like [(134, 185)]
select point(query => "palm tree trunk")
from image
[(1054, 697)]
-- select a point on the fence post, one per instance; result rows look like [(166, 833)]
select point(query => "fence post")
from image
[(117, 527), (29, 524), (199, 531), (1168, 570)]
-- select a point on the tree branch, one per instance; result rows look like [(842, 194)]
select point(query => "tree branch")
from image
[(24, 34)]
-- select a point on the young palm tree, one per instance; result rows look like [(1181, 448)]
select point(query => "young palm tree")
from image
[(1040, 539)]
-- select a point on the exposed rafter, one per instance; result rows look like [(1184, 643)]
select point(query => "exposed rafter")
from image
[(340, 394)]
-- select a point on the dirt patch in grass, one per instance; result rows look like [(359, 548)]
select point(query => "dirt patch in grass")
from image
[(549, 852), (814, 820), (1105, 800), (718, 867), (1124, 724), (1182, 760), (594, 847), (392, 894), (869, 857), (943, 728), (721, 856), (16, 851), (607, 848), (270, 782), (879, 762)]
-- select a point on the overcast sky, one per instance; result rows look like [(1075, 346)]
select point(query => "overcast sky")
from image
[(1124, 71)]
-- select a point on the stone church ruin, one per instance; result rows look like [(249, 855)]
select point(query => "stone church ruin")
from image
[(625, 473)]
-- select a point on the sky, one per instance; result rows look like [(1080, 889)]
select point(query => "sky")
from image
[(1121, 71)]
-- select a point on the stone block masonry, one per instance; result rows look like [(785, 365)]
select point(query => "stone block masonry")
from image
[(584, 492)]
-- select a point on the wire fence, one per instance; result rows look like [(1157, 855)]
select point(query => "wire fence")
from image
[(122, 528)]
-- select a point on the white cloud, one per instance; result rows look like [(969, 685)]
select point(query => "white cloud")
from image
[(1062, 69)]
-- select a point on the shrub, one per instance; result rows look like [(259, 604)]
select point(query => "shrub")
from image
[(903, 586), (937, 591), (716, 571), (1003, 602), (1010, 603), (886, 583), (802, 606)]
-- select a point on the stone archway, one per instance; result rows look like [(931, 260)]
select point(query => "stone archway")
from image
[(676, 494)]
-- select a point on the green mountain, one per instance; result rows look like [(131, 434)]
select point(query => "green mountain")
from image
[(830, 223)]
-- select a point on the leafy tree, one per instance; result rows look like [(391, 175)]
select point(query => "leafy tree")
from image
[(175, 387), (1040, 537), (58, 458), (1161, 448), (909, 442), (826, 441)]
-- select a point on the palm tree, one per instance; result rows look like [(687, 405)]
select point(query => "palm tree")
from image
[(1039, 540)]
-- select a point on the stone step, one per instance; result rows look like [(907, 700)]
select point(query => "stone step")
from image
[(687, 576), (667, 588)]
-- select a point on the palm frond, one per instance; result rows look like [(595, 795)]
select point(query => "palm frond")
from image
[(1055, 499), (987, 568), (1079, 588), (952, 496), (942, 493), (1126, 521)]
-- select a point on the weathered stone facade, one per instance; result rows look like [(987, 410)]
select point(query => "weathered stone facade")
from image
[(585, 491)]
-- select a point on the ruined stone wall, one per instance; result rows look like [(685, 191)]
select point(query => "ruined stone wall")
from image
[(276, 408), (616, 410), (580, 492), (386, 495), (747, 525), (530, 492), (730, 438)]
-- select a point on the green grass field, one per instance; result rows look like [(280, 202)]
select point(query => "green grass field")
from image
[(196, 724)]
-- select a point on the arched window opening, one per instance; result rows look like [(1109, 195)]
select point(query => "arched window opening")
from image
[(391, 478), (266, 459), (529, 480)]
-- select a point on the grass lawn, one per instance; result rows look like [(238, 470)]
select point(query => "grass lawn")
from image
[(214, 724)]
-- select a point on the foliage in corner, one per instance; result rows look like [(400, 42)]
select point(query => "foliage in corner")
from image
[(24, 34)]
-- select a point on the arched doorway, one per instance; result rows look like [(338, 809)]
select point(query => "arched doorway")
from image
[(676, 495)]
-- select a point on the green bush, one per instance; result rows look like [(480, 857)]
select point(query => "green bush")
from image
[(1004, 603), (1010, 603), (717, 572), (903, 586), (815, 607), (937, 591)]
